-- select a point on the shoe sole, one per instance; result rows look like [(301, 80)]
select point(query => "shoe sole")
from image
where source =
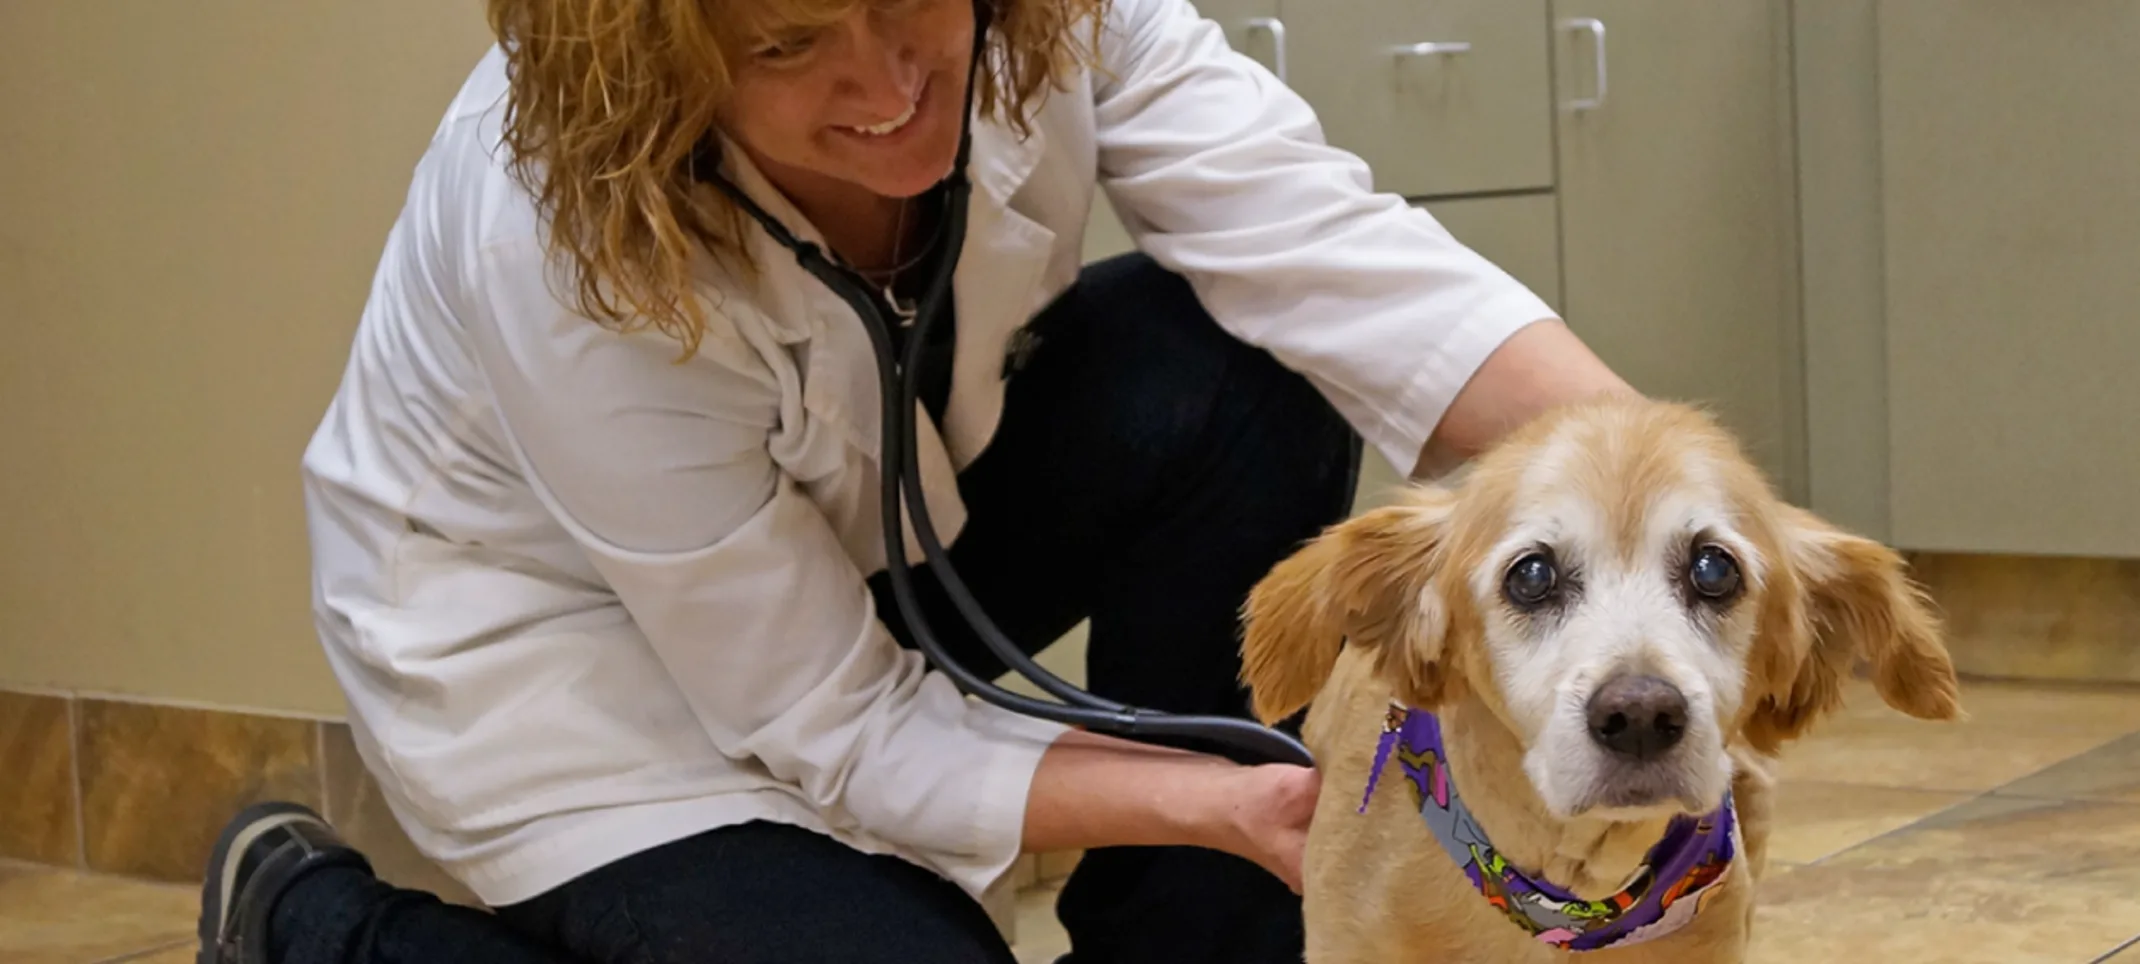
[(221, 880)]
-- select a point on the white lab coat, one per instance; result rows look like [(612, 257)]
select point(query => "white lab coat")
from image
[(585, 600)]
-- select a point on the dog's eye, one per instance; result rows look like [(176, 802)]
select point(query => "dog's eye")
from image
[(1713, 572), (1531, 580)]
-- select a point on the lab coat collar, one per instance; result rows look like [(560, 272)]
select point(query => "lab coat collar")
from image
[(999, 166), (740, 170), (1001, 161), (784, 313), (999, 272)]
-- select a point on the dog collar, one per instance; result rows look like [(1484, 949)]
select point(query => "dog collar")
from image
[(1673, 884)]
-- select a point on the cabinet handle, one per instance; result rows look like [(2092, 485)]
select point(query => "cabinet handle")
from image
[(1276, 28), (1431, 48), (1596, 29)]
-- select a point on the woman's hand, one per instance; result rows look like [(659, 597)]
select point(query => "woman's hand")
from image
[(1099, 791), (1265, 819)]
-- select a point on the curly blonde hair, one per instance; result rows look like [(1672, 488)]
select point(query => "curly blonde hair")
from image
[(611, 99)]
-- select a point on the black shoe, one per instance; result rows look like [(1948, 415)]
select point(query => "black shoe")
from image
[(263, 850)]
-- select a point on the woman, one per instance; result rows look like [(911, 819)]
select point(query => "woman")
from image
[(596, 550)]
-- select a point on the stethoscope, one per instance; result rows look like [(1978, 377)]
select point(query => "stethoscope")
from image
[(900, 392)]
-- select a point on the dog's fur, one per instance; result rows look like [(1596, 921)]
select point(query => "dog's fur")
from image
[(1406, 601)]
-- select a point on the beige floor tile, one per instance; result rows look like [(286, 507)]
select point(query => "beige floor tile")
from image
[(52, 916), (1997, 880), (2014, 729), (2108, 772), (1040, 936), (1815, 820)]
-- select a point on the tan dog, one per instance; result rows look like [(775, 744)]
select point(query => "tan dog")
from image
[(1616, 624)]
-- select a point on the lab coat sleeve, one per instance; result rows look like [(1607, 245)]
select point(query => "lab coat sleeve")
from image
[(1221, 174), (662, 473)]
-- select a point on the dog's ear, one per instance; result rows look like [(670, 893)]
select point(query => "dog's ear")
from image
[(1839, 598), (1368, 580)]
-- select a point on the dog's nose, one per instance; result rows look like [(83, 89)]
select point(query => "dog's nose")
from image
[(1639, 717)]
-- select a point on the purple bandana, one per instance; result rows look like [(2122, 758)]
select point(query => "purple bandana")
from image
[(1673, 884)]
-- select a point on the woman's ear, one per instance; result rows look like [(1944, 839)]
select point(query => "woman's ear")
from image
[(1367, 580), (1844, 598)]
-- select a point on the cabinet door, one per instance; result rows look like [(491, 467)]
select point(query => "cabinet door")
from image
[(2012, 233), (1475, 118), (1677, 207)]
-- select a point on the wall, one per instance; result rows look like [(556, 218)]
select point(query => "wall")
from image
[(192, 197)]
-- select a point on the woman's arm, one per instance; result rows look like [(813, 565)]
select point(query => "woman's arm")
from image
[(1541, 365), (1093, 790)]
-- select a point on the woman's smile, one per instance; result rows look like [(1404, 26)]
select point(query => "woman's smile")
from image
[(893, 132), (896, 124)]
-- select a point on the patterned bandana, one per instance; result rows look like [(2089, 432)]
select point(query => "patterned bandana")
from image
[(1665, 893)]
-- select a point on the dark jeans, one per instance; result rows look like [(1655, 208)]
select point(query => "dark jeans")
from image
[(1148, 470)]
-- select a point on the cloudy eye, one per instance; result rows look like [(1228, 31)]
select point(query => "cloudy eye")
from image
[(1531, 581), (1712, 572)]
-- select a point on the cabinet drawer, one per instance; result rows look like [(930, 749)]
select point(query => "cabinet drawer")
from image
[(1476, 118)]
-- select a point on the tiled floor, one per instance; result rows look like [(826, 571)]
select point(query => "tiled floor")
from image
[(2013, 837)]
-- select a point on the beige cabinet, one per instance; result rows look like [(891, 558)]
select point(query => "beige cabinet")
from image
[(1677, 206), (2010, 221)]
